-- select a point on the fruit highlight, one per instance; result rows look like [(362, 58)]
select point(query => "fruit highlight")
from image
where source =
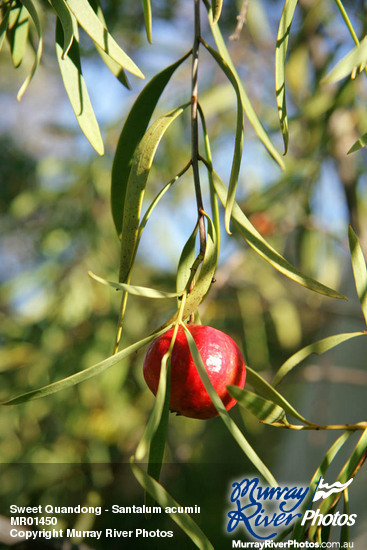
[(223, 362)]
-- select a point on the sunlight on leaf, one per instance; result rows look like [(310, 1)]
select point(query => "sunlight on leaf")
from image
[(321, 346), (33, 13), (359, 144), (354, 61), (76, 88), (263, 409), (136, 290), (17, 33), (148, 19), (97, 31), (66, 20), (265, 389)]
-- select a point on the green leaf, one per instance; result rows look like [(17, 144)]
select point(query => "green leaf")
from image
[(321, 346), (299, 530), (213, 197), (115, 68), (263, 409), (17, 33), (87, 18), (205, 277), (186, 261), (28, 4), (85, 374), (345, 530), (158, 410), (348, 471), (140, 169), (264, 388), (66, 21), (227, 420), (3, 27), (280, 57), (359, 270), (237, 156), (265, 250), (148, 19), (164, 499), (76, 88), (216, 9), (136, 290), (131, 135), (354, 61), (359, 144), (248, 108)]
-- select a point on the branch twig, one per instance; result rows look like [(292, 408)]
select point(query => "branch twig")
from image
[(194, 127)]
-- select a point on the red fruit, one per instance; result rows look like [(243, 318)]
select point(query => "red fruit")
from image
[(223, 361)]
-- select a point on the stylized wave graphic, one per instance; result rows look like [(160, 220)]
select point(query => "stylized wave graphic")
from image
[(324, 490)]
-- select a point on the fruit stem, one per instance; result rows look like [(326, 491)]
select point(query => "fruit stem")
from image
[(194, 127)]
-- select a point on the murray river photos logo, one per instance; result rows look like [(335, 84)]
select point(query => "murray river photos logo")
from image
[(264, 511)]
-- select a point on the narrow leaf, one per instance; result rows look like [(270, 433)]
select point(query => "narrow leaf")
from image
[(148, 19), (140, 169), (17, 33), (28, 4), (227, 420), (165, 500), (359, 270), (205, 277), (348, 471), (236, 163), (263, 409), (280, 57), (321, 346), (66, 21), (97, 31), (265, 389), (76, 88), (158, 410), (359, 144), (115, 68), (136, 290), (248, 108), (354, 61), (216, 9), (265, 250), (213, 197), (186, 261), (131, 135), (3, 26), (82, 375), (345, 530), (299, 530)]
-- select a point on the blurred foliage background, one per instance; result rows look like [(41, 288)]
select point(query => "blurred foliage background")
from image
[(56, 225)]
